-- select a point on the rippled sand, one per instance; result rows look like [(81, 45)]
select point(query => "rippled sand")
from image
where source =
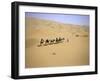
[(74, 52)]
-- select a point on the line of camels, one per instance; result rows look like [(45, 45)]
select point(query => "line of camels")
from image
[(51, 41)]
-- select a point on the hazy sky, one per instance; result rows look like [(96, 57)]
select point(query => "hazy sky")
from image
[(63, 18)]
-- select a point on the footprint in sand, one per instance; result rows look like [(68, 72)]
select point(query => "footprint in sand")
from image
[(77, 35), (53, 53)]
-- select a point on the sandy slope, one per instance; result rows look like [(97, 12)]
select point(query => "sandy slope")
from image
[(72, 53)]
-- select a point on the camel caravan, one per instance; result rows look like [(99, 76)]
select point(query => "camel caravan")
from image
[(51, 41)]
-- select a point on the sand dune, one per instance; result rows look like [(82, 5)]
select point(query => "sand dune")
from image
[(73, 51)]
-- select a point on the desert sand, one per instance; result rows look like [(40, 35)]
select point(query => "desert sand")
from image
[(73, 51)]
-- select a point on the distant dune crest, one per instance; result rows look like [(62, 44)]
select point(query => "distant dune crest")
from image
[(38, 21)]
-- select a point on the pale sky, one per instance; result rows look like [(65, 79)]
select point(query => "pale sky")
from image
[(63, 18)]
